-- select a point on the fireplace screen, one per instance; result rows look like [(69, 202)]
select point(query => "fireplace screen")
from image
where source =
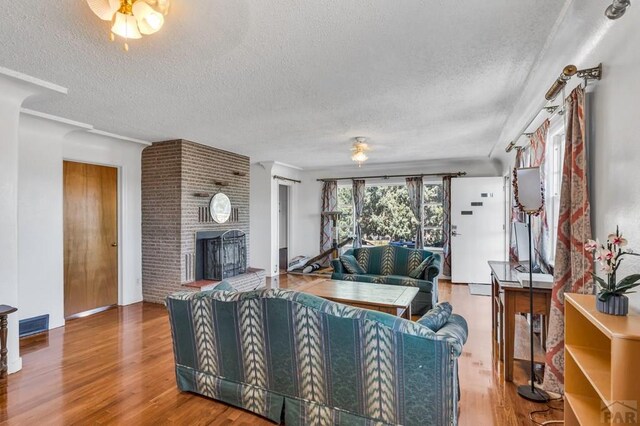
[(225, 255)]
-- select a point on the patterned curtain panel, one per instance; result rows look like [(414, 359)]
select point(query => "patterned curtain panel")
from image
[(358, 207), (516, 215), (573, 265), (329, 204), (416, 197), (539, 224), (446, 224)]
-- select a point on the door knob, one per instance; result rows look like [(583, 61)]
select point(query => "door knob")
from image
[(114, 244)]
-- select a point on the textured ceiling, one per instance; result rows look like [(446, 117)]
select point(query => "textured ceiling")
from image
[(291, 80)]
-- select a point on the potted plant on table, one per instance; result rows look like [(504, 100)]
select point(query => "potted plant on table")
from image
[(611, 297)]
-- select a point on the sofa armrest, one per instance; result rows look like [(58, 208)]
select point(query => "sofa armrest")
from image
[(432, 271), (456, 332), (337, 266), (431, 274)]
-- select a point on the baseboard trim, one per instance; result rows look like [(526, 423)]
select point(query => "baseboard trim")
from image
[(90, 312), (14, 365)]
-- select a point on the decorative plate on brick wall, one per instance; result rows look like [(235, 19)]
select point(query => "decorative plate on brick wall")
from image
[(220, 208)]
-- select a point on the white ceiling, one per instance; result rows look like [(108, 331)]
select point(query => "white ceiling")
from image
[(292, 80)]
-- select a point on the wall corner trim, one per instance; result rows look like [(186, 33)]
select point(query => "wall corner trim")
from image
[(55, 118), (121, 137), (33, 81)]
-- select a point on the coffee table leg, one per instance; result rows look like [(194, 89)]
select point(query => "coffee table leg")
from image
[(406, 314)]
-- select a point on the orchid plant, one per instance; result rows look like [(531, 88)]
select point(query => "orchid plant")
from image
[(610, 255)]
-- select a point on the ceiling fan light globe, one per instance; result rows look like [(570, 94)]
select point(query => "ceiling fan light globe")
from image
[(359, 157), (125, 26), (155, 20), (104, 9), (149, 21)]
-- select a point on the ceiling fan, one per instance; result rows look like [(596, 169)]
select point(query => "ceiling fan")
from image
[(131, 18)]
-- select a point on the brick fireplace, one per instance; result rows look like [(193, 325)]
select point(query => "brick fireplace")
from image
[(178, 178)]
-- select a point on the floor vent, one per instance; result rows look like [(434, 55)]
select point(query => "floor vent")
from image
[(34, 325)]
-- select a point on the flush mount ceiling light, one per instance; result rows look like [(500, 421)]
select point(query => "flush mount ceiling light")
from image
[(359, 151), (131, 18)]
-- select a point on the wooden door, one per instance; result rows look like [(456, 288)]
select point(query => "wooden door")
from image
[(90, 237)]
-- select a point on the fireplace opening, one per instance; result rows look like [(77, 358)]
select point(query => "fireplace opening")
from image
[(220, 254)]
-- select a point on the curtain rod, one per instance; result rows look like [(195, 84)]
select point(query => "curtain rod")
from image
[(569, 71), (286, 178), (393, 176)]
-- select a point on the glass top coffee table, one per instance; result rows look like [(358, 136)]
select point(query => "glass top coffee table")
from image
[(392, 299)]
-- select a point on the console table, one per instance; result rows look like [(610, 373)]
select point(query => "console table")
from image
[(5, 310), (508, 298)]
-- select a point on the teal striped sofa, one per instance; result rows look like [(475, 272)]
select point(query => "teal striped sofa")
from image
[(297, 358), (391, 265)]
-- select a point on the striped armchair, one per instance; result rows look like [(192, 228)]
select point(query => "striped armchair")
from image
[(392, 265), (295, 357)]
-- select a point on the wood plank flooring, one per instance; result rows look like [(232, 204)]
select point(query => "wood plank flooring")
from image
[(116, 367)]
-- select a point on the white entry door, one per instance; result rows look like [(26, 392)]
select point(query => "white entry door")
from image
[(477, 227)]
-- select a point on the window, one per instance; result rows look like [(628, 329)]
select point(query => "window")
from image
[(433, 215), (387, 217), (345, 206), (553, 178)]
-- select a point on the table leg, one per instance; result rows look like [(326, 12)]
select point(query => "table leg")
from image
[(3, 346), (543, 331), (404, 313), (494, 321), (509, 334)]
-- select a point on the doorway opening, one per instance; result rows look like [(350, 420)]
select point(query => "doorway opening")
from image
[(90, 238), (283, 227)]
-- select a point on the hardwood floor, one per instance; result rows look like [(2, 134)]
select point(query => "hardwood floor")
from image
[(116, 367)]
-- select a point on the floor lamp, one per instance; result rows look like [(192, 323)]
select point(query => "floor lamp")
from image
[(527, 188)]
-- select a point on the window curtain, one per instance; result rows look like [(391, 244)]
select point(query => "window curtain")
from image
[(539, 224), (516, 215), (446, 225), (573, 265), (329, 204), (358, 207), (415, 187)]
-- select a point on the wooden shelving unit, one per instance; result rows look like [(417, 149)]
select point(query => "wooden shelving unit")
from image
[(601, 357)]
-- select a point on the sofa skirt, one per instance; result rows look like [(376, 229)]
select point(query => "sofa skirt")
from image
[(251, 398)]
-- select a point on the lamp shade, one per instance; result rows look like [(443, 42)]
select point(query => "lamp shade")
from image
[(529, 189), (125, 26)]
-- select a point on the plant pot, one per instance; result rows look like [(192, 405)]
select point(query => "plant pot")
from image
[(614, 305)]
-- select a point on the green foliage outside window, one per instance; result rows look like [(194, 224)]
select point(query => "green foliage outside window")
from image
[(433, 215), (388, 217)]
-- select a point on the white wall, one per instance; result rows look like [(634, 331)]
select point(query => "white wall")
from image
[(264, 218), (43, 147), (283, 215), (9, 117), (615, 139), (307, 207), (14, 89), (260, 217), (40, 221), (585, 39)]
